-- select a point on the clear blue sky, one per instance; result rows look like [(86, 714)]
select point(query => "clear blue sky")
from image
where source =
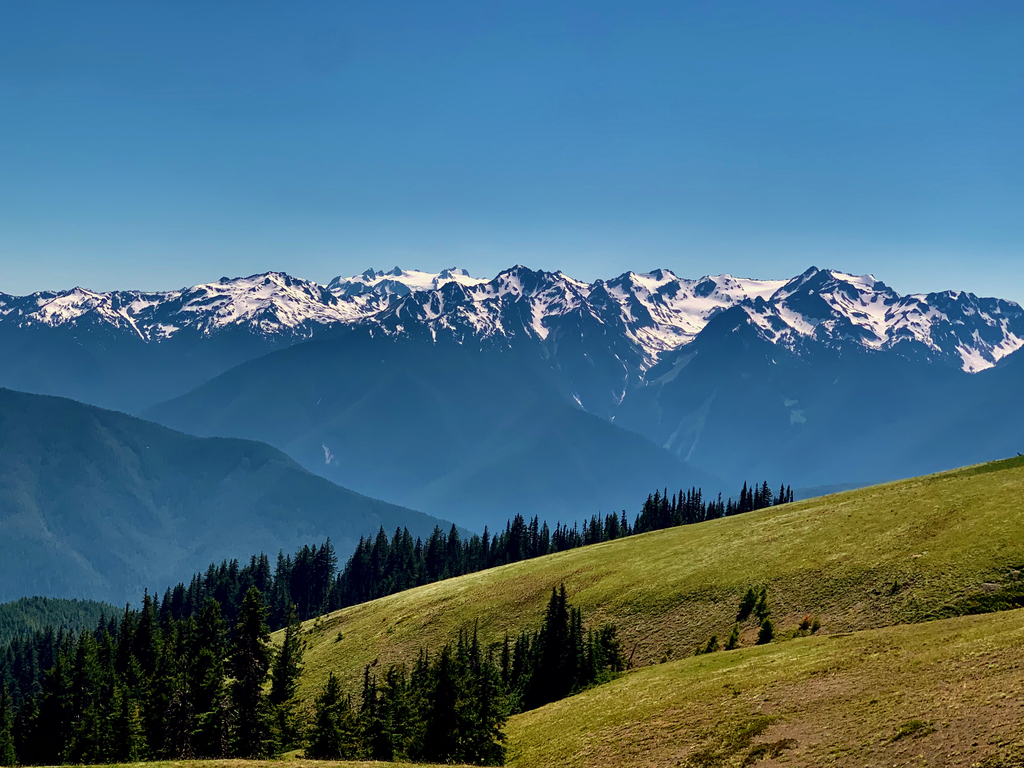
[(155, 145)]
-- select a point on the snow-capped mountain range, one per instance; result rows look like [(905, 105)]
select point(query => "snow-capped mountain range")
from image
[(540, 390), (642, 315)]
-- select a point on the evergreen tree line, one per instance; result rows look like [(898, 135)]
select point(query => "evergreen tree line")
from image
[(22, 618), (382, 566), (310, 580), (452, 707), (146, 687)]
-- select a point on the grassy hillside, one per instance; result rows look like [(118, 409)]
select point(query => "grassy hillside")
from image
[(98, 504), (905, 552), (941, 693)]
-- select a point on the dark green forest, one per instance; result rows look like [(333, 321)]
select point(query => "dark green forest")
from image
[(25, 617), (140, 688)]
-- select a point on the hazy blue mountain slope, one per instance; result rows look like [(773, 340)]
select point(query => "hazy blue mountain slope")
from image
[(480, 432), (98, 504), (734, 402), (113, 369), (452, 385)]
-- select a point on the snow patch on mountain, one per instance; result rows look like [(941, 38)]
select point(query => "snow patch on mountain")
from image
[(642, 316)]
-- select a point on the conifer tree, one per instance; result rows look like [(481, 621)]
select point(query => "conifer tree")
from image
[(54, 717), (766, 633), (86, 733), (376, 743), (761, 609), (710, 647), (250, 664), (397, 715), (7, 753), (747, 605), (127, 731), (206, 673), (485, 744), (444, 725), (733, 640), (333, 735), (285, 681), (553, 677), (608, 650)]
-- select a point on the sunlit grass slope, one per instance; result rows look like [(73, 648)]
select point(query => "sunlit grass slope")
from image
[(289, 761), (940, 693), (898, 553)]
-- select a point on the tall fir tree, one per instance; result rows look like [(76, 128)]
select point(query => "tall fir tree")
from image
[(250, 664), (285, 682), (444, 718), (334, 734), (8, 755), (206, 672), (127, 731)]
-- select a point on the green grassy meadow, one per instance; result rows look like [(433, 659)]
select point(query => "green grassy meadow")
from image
[(899, 553), (945, 692)]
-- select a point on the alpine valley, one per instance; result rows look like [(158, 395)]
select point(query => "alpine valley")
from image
[(473, 399)]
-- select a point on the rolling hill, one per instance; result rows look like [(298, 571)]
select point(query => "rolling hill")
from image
[(941, 693), (98, 504), (897, 675), (905, 552)]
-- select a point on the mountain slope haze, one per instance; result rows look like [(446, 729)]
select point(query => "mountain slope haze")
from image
[(97, 504)]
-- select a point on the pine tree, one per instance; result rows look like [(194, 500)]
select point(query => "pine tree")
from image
[(250, 664), (608, 658), (747, 605), (128, 734), (376, 743), (7, 753), (444, 722), (285, 676), (399, 720), (206, 673), (53, 721), (333, 735), (733, 640), (766, 633), (176, 683), (485, 744), (87, 726), (761, 609), (553, 677)]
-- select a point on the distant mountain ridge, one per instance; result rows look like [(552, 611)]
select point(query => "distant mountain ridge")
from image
[(97, 504), (132, 349), (656, 311), (475, 399)]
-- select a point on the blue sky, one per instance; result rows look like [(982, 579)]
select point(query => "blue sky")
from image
[(156, 145)]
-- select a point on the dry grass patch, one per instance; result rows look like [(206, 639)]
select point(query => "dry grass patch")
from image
[(945, 692)]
